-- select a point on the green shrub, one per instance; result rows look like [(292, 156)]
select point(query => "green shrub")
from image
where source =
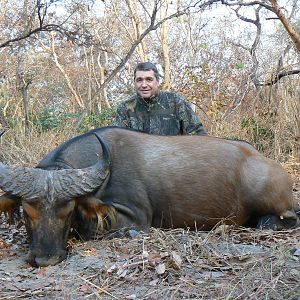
[(95, 120), (51, 118), (261, 134)]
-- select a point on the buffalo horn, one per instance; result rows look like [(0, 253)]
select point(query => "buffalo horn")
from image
[(31, 183), (22, 182)]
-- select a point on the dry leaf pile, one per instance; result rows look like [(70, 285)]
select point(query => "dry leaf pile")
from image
[(226, 263)]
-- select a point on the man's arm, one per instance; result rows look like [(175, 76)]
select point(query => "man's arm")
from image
[(190, 122), (121, 118)]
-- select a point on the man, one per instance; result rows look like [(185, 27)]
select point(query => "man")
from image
[(154, 111)]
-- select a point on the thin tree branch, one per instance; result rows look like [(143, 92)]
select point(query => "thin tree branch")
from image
[(277, 10), (48, 28), (250, 3), (279, 76), (286, 23)]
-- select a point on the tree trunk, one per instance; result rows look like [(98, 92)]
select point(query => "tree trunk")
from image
[(23, 85), (165, 48), (102, 63), (279, 11), (69, 83), (88, 103)]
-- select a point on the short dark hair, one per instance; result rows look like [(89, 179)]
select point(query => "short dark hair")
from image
[(147, 66)]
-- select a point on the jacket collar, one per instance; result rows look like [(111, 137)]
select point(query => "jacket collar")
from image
[(147, 101)]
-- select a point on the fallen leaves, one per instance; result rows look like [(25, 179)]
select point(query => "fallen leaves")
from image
[(160, 269), (155, 260), (175, 260), (4, 245), (162, 265), (6, 250), (89, 252)]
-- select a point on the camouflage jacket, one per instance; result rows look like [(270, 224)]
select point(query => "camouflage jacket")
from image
[(167, 114)]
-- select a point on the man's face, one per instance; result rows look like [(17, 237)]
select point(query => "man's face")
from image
[(146, 84)]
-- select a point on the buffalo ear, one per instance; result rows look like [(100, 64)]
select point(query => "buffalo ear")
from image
[(10, 206), (91, 207)]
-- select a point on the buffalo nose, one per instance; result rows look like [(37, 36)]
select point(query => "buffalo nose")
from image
[(49, 261), (44, 261)]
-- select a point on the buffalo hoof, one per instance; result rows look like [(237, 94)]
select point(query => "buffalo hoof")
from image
[(274, 222), (133, 233)]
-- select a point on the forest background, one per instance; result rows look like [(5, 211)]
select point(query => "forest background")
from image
[(65, 66)]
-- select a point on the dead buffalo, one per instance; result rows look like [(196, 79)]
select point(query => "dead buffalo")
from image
[(113, 179)]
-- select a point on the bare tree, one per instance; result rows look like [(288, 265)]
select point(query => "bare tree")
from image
[(39, 17), (23, 83), (273, 6), (253, 48), (102, 62), (52, 50), (137, 26), (165, 49)]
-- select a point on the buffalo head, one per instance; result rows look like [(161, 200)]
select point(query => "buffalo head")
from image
[(48, 198)]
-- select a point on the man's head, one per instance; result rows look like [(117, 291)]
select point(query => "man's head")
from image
[(146, 79)]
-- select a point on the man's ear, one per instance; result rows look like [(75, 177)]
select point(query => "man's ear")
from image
[(10, 206)]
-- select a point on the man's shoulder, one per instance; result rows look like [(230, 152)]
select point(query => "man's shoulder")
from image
[(171, 96), (128, 102), (168, 94)]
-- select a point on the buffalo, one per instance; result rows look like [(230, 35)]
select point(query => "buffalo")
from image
[(114, 180)]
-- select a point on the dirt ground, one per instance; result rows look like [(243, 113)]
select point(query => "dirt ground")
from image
[(225, 263)]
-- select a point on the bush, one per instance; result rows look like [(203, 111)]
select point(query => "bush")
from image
[(95, 120), (50, 119), (261, 135)]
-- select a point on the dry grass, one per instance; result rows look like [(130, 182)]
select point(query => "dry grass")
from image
[(19, 149), (272, 126)]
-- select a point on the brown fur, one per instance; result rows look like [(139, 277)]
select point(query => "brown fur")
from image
[(91, 208), (32, 212), (9, 207)]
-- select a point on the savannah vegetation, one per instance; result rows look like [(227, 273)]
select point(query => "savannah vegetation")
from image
[(65, 66)]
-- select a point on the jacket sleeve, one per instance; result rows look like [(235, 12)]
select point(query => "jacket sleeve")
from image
[(121, 118), (190, 122)]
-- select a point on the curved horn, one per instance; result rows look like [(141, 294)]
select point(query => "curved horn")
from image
[(67, 183), (105, 149), (78, 182), (22, 181)]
